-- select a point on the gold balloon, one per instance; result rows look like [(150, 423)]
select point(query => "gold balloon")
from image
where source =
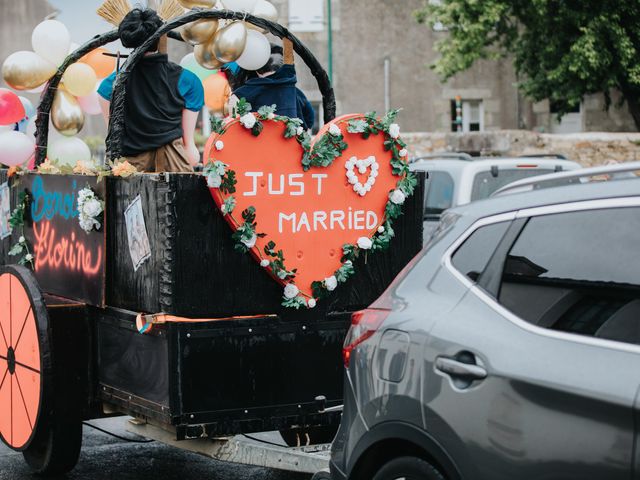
[(66, 114), (230, 42), (197, 3), (200, 31), (205, 56), (266, 10), (26, 70)]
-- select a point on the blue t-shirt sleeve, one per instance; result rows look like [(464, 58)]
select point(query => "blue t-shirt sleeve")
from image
[(190, 87), (106, 87)]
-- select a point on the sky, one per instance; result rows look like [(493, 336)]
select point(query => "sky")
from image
[(81, 19)]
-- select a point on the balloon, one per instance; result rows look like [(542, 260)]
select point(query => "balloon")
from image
[(25, 70), (37, 90), (90, 104), (205, 56), (31, 127), (263, 9), (216, 92), (230, 42), (197, 3), (11, 108), (29, 109), (66, 114), (68, 151), (80, 79), (51, 40), (15, 148), (7, 128), (102, 64), (190, 63), (240, 5), (73, 46), (256, 53), (200, 31)]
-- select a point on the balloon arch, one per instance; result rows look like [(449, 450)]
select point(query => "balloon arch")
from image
[(116, 121)]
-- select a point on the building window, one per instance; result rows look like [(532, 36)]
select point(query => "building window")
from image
[(467, 115)]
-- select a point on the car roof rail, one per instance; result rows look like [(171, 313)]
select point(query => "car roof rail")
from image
[(614, 172), (557, 156), (443, 155)]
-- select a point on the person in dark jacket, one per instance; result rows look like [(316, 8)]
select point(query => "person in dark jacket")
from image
[(274, 84), (162, 103)]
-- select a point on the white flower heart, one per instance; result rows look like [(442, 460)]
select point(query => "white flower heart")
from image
[(362, 165)]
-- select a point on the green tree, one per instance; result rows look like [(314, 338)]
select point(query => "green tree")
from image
[(563, 49)]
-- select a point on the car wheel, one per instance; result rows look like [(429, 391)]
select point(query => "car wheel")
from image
[(408, 468)]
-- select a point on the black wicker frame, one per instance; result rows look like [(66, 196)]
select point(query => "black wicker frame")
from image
[(116, 121)]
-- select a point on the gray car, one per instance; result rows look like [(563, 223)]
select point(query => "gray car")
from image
[(508, 349)]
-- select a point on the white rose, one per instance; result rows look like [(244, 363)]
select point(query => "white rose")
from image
[(348, 262), (394, 130), (291, 291), (219, 145), (28, 257), (299, 131), (264, 263), (365, 243), (251, 242), (214, 180), (311, 303), (335, 130), (282, 274), (331, 283), (21, 239), (403, 153), (271, 116), (397, 196), (248, 120), (381, 229), (92, 207)]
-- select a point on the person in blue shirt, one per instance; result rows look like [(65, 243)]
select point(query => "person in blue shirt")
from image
[(274, 84), (162, 103)]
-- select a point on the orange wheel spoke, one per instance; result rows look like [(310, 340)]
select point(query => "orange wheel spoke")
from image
[(24, 323), (4, 337), (4, 376), (24, 403), (31, 369)]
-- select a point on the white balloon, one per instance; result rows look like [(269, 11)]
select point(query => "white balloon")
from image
[(31, 127), (73, 46), (90, 104), (69, 150), (51, 40), (240, 5), (256, 53), (16, 148), (7, 128)]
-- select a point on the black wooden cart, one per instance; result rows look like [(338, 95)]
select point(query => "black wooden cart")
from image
[(228, 359)]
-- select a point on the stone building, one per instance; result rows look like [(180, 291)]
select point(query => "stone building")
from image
[(380, 60)]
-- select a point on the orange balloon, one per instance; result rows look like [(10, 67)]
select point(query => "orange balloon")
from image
[(216, 92), (102, 64)]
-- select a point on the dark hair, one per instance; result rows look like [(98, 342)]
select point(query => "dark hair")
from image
[(275, 61), (137, 26)]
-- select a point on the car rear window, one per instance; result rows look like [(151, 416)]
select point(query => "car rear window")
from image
[(439, 194), (485, 183), (472, 257)]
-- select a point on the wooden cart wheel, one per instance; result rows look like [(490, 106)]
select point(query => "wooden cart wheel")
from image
[(28, 421)]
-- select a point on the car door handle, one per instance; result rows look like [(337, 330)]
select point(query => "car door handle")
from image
[(458, 369)]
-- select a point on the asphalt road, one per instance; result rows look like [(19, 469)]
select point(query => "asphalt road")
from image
[(107, 458)]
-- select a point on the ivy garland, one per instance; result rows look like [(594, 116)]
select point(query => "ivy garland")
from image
[(322, 154), (16, 221)]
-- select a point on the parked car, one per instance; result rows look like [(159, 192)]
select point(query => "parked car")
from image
[(457, 179), (509, 348)]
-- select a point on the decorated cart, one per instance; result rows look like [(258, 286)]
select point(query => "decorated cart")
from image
[(203, 305)]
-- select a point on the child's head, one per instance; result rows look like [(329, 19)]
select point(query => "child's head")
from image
[(275, 61), (137, 26)]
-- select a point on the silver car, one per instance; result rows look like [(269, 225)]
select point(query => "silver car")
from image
[(508, 349), (458, 179)]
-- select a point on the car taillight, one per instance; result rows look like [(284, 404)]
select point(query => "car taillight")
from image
[(363, 325)]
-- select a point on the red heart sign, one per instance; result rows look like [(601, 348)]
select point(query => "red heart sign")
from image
[(308, 214)]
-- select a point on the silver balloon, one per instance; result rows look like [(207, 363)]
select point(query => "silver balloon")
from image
[(266, 10), (230, 42), (205, 57), (66, 114), (200, 31)]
